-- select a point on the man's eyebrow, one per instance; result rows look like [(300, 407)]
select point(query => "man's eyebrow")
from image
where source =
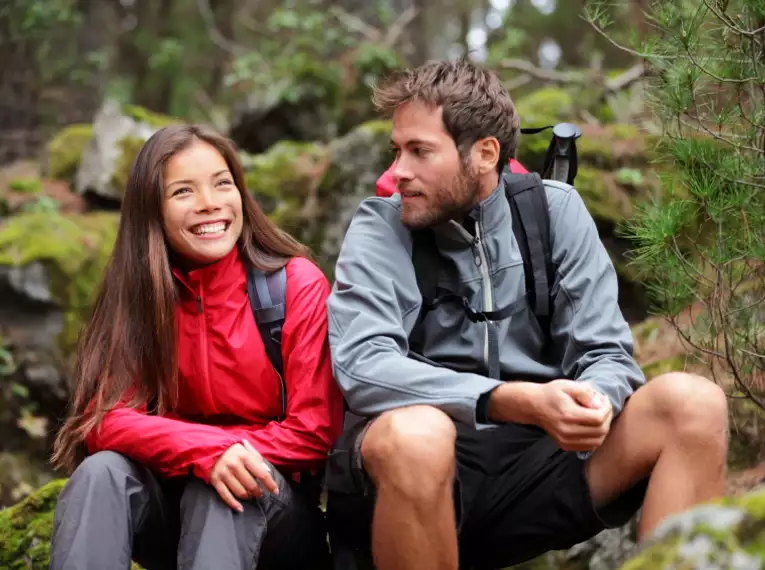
[(411, 142)]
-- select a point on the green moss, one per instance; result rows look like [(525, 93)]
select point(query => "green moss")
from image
[(660, 556), (65, 151), (74, 250), (129, 148), (745, 538), (142, 115), (25, 530), (26, 185)]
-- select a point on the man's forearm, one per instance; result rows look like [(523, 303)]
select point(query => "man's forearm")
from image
[(514, 402)]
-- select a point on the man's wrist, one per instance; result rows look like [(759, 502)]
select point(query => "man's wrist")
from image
[(513, 402)]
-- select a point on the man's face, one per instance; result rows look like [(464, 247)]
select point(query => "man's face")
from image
[(435, 185)]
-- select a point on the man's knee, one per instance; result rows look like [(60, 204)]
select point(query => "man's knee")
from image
[(694, 406), (411, 448)]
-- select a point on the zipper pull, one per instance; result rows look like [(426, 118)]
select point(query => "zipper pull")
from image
[(199, 303), (476, 245)]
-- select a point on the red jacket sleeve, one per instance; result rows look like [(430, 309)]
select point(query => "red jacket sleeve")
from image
[(314, 419), (168, 446)]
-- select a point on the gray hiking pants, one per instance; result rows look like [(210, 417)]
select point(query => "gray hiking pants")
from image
[(113, 510)]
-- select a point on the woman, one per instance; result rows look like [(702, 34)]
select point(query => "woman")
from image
[(190, 464)]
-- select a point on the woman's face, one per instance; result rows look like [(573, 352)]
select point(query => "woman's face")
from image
[(202, 207)]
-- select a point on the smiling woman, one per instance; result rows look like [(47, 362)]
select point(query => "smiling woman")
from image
[(201, 207), (191, 461)]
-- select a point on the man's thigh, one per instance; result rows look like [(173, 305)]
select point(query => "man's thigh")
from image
[(535, 498)]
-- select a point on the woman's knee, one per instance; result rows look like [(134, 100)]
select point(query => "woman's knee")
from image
[(412, 448), (103, 467)]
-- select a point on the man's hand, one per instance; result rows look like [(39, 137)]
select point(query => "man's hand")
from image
[(239, 473), (575, 415)]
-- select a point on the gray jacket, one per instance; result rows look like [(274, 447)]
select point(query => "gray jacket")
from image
[(375, 304)]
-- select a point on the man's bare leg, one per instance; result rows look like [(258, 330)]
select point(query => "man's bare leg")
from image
[(409, 455), (673, 429)]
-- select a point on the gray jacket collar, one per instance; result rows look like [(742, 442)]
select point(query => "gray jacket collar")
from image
[(491, 212)]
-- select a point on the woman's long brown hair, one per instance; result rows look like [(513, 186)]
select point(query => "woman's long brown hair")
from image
[(127, 352)]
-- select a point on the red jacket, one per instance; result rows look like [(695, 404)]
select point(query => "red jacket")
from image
[(228, 389), (386, 186)]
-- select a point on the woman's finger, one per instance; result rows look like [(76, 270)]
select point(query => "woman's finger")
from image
[(242, 473), (258, 467), (227, 497), (233, 484)]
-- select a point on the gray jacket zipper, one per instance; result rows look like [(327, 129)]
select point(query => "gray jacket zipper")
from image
[(488, 301)]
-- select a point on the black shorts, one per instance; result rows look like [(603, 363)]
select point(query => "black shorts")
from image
[(517, 495)]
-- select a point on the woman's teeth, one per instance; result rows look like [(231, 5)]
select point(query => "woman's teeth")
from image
[(210, 228)]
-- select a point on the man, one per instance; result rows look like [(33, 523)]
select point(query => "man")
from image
[(450, 466)]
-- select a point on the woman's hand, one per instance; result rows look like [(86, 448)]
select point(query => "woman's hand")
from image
[(239, 473)]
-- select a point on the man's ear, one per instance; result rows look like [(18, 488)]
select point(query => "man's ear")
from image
[(486, 155)]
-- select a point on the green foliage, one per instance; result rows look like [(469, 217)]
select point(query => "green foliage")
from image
[(26, 185), (309, 57), (702, 243)]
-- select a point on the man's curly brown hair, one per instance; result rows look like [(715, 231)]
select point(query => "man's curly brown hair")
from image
[(475, 104)]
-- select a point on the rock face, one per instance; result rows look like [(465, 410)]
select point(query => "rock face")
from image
[(50, 266), (118, 133), (725, 535)]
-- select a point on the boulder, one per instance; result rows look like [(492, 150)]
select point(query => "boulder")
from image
[(50, 266), (728, 534), (119, 131)]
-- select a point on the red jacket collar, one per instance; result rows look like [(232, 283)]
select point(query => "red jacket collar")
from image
[(220, 274)]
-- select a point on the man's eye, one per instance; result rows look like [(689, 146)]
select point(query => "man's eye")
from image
[(420, 152)]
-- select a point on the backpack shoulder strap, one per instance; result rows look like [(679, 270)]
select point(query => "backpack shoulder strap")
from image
[(425, 262), (531, 227), (268, 299)]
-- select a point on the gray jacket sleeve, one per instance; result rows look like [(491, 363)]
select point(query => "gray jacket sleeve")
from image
[(372, 309), (590, 333)]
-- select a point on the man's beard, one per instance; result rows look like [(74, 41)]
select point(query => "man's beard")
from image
[(451, 201)]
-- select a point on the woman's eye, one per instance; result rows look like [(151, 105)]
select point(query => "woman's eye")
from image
[(181, 191), (224, 182)]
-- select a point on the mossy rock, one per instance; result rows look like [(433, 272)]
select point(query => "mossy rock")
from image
[(725, 534), (143, 115), (65, 149), (74, 250), (26, 530), (128, 149), (284, 178)]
